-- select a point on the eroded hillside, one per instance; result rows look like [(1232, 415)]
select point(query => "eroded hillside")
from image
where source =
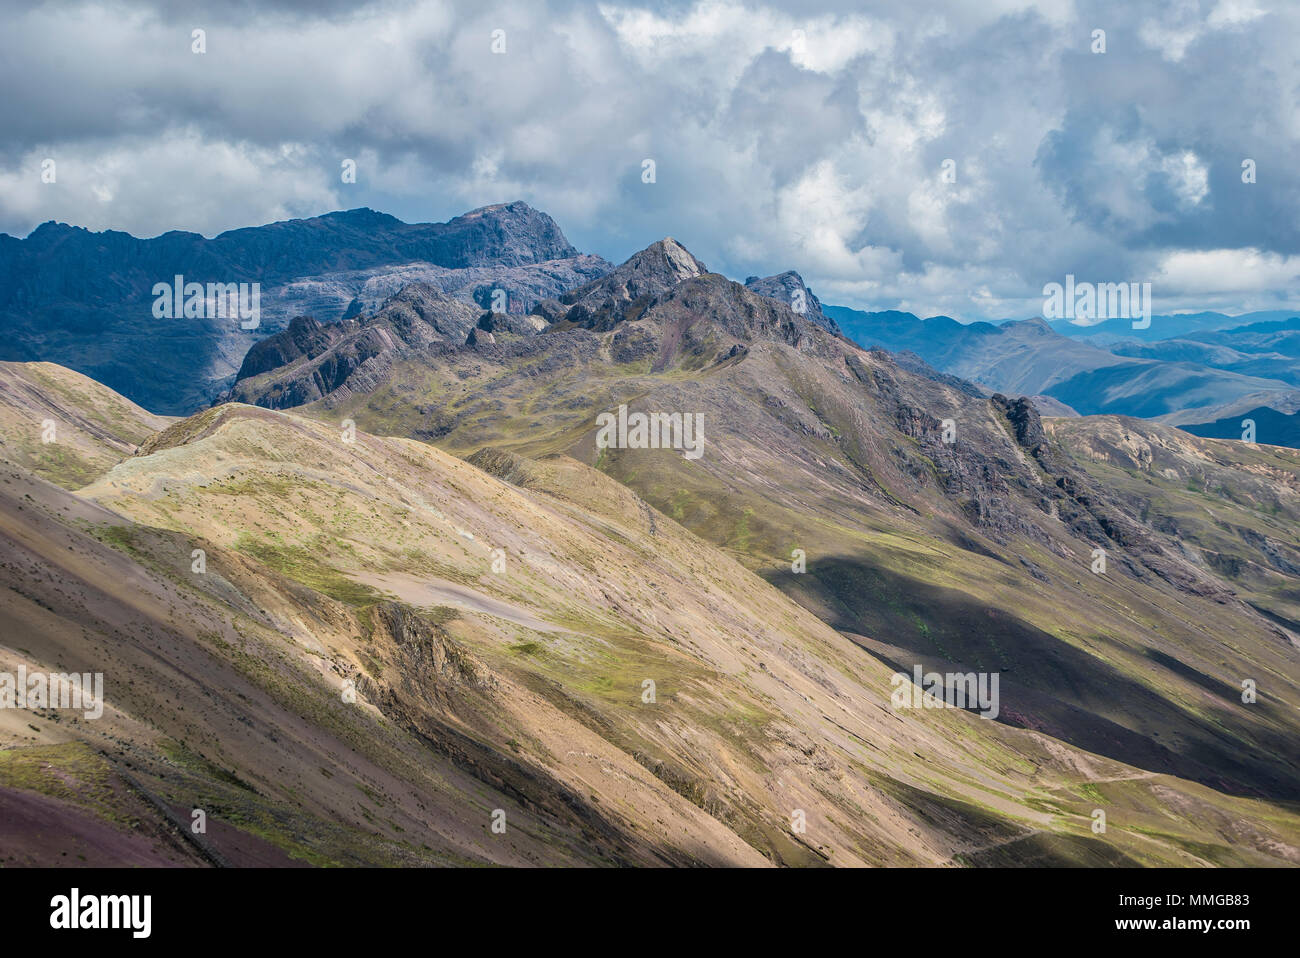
[(977, 553), (485, 680)]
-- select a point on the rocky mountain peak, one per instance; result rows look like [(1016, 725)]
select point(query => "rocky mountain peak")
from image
[(647, 274), (667, 258), (515, 232), (790, 289)]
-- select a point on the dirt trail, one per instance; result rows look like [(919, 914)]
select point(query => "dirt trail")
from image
[(432, 591)]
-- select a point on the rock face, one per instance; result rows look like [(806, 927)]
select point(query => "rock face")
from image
[(304, 338), (310, 360), (1047, 406), (789, 288), (913, 363), (348, 294), (85, 300), (625, 291), (664, 302)]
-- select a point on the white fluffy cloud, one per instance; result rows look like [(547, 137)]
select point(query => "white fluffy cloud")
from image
[(1220, 271), (179, 180)]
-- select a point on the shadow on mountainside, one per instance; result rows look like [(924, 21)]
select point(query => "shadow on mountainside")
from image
[(1047, 684)]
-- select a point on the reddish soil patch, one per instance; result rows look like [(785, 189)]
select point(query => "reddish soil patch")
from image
[(39, 831), (240, 848)]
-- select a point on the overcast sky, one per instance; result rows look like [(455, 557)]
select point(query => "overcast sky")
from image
[(785, 135)]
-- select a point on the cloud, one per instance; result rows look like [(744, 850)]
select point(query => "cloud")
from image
[(1228, 270), (785, 134), (180, 179)]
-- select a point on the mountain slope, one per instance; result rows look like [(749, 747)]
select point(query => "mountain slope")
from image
[(223, 694), (1175, 326), (974, 554), (1272, 427), (519, 688), (65, 427), (309, 360), (1266, 349), (500, 584)]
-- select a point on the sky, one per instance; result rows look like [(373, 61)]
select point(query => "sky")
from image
[(939, 157)]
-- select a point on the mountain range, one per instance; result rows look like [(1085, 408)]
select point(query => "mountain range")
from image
[(634, 655), (1192, 378), (85, 300), (1168, 326)]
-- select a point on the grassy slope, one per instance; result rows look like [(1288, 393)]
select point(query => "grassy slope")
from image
[(94, 427), (1124, 664), (761, 708), (224, 694), (377, 551)]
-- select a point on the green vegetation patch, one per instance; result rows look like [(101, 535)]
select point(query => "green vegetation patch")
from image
[(303, 565)]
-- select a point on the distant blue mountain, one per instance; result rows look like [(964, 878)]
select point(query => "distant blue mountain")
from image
[(1269, 349), (1272, 428), (84, 299), (1175, 326), (1032, 357)]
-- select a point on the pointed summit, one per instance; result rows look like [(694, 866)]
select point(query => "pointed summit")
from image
[(657, 268), (666, 260), (790, 289)]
